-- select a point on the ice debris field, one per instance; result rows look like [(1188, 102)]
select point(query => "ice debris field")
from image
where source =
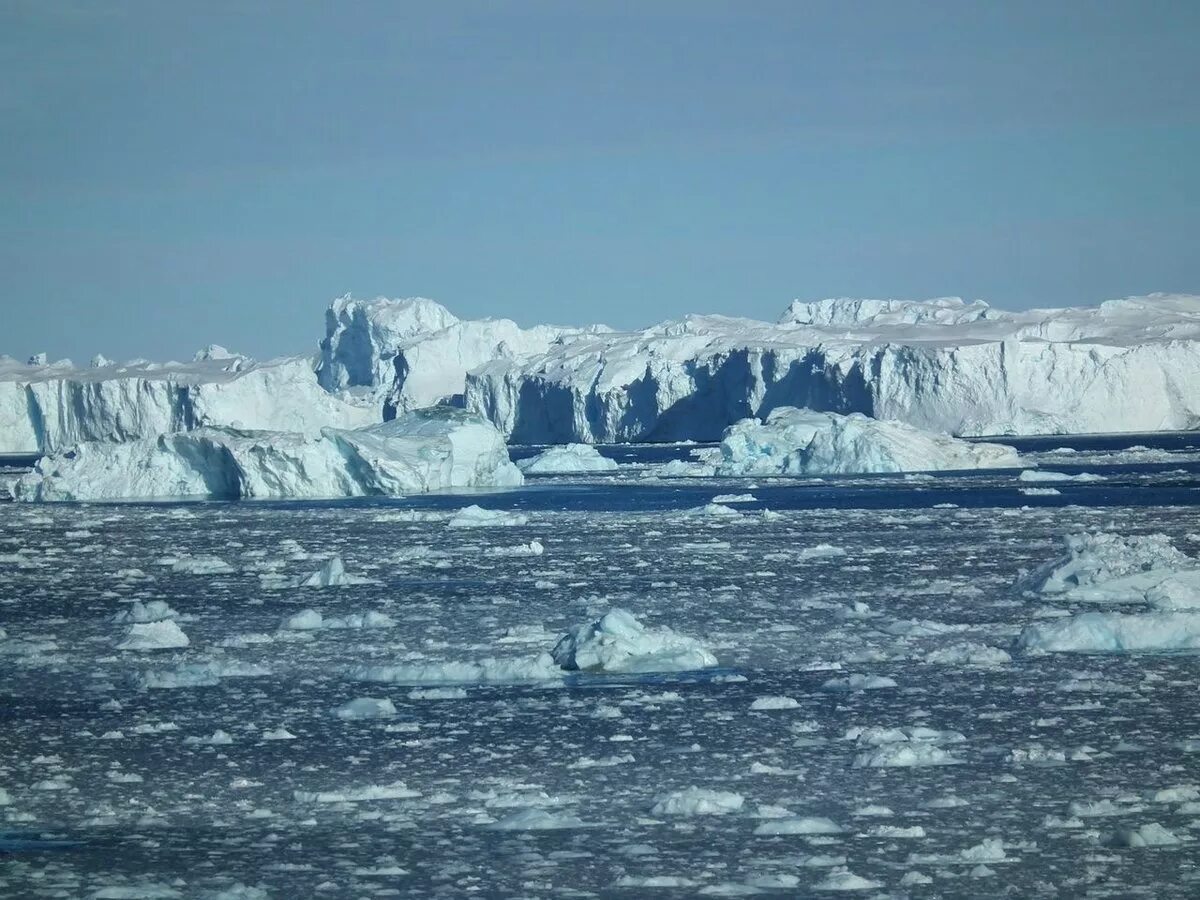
[(676, 671)]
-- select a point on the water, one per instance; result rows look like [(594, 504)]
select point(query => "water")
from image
[(591, 752)]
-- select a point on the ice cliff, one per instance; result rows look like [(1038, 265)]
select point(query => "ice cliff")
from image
[(421, 451), (940, 365), (411, 353), (45, 408)]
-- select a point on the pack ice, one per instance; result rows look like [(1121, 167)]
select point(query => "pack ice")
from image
[(1109, 569), (423, 450)]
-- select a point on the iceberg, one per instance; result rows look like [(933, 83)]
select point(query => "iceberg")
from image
[(1110, 568), (424, 450), (410, 353), (1099, 632), (939, 365), (617, 642), (49, 408), (803, 442), (567, 459)]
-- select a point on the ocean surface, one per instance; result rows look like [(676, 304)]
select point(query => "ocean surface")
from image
[(234, 767)]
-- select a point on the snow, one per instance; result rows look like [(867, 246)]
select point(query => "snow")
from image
[(938, 365), (802, 442), (617, 642), (157, 635), (567, 459), (696, 801), (422, 451)]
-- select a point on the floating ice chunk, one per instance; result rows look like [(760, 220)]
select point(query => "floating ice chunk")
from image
[(1041, 492), (533, 548), (218, 738), (5, 799), (1149, 835), (799, 825), (845, 880), (768, 703), (905, 755), (141, 613), (897, 831), (1042, 475), (803, 442), (202, 565), (162, 635), (969, 654), (537, 820), (278, 734), (987, 850), (859, 683), (305, 620), (540, 667), (477, 517), (397, 790), (567, 459), (654, 881), (199, 674), (333, 574), (713, 511), (1097, 632), (617, 642), (913, 877), (437, 693), (1109, 568), (734, 498), (143, 891), (366, 708), (696, 801), (821, 551)]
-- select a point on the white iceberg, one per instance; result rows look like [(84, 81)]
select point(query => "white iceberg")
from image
[(1099, 632), (477, 517), (567, 459), (695, 801), (1109, 568), (940, 365), (422, 451), (802, 442), (617, 642), (163, 634)]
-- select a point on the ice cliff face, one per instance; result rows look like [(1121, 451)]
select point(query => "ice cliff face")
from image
[(44, 408), (942, 365), (421, 451), (407, 354)]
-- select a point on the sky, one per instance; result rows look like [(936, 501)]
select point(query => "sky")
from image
[(173, 175)]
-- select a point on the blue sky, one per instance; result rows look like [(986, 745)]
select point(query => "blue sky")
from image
[(177, 174)]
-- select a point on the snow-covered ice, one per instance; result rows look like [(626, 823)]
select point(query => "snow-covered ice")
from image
[(567, 459)]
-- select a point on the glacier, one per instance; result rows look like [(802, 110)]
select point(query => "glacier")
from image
[(421, 451)]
